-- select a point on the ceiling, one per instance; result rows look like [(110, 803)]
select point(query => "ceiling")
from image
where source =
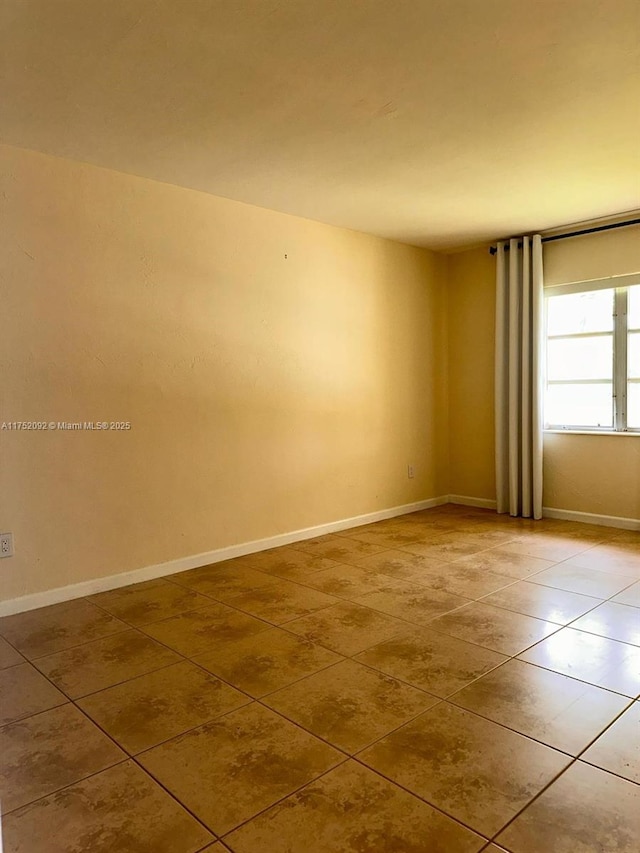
[(442, 123)]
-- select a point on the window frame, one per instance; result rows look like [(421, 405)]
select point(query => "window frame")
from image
[(620, 333)]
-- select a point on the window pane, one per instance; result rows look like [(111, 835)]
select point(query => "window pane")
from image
[(633, 308), (580, 358), (580, 405), (580, 312), (633, 405), (633, 355)]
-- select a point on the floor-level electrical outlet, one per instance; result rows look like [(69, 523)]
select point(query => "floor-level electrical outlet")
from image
[(6, 544), (410, 472)]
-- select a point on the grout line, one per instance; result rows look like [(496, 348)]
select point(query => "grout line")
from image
[(498, 651), (627, 707), (126, 627), (574, 678), (609, 772), (476, 713), (419, 797), (127, 757), (70, 785), (77, 699), (532, 801), (282, 799)]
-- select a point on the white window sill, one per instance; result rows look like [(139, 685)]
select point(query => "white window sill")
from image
[(636, 434)]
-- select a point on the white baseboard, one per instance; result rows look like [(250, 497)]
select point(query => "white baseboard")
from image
[(552, 512), (591, 518), (465, 500), (90, 587), (79, 590)]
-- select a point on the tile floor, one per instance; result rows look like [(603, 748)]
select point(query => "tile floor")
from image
[(449, 681)]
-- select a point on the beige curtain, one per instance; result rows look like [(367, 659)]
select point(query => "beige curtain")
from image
[(519, 376)]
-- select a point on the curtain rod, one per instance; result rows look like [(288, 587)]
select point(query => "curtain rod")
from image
[(494, 249)]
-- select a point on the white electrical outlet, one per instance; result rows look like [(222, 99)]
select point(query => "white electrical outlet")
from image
[(411, 472), (6, 544)]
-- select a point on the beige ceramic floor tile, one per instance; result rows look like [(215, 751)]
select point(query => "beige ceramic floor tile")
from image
[(610, 559), (412, 602), (494, 628), (490, 537), (289, 563), (434, 662), (207, 741), (145, 711), (618, 749), (596, 660), (201, 631), (120, 809), (46, 752), (582, 581), (348, 582), (24, 691), (559, 711), (60, 626), (476, 771), (338, 548), (400, 564), (615, 621), (502, 562), (542, 602), (8, 655), (446, 549), (464, 580), (398, 539), (630, 596), (353, 810), (457, 535), (105, 662), (223, 581), (348, 628), (548, 547), (585, 810), (387, 525), (228, 770), (281, 602), (267, 661), (389, 537), (148, 602), (350, 705)]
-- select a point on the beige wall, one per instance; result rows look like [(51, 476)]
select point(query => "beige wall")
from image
[(585, 473), (593, 473), (471, 320), (266, 393)]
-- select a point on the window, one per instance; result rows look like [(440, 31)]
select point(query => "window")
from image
[(593, 356)]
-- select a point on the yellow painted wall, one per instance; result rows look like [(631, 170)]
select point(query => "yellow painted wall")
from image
[(471, 320), (585, 473), (265, 393), (593, 473)]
